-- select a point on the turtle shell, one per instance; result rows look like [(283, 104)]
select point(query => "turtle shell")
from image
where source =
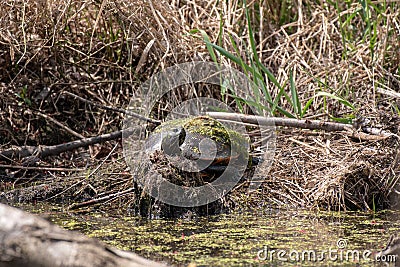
[(201, 139)]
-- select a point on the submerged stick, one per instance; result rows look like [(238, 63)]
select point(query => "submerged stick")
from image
[(91, 202)]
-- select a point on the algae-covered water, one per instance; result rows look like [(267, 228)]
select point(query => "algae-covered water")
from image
[(266, 238)]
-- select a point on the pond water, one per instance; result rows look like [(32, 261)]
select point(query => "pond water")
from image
[(272, 237)]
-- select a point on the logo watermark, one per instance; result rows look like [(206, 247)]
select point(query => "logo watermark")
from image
[(159, 89), (334, 254)]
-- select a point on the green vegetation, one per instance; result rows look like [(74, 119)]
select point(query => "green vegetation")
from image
[(358, 24), (23, 95)]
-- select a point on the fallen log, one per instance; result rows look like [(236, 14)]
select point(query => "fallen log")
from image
[(28, 240), (45, 151)]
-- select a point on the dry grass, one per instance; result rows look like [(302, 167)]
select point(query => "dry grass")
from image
[(103, 50), (333, 172)]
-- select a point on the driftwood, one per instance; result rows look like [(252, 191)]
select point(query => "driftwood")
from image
[(301, 124), (45, 151), (28, 240), (277, 121), (391, 254)]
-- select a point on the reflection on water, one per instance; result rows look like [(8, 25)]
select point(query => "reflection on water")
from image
[(269, 238)]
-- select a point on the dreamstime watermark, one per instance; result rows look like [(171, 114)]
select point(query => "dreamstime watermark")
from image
[(338, 254), (157, 93)]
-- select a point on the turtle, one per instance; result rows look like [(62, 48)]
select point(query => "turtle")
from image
[(200, 143)]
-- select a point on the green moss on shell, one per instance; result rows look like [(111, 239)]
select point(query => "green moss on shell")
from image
[(209, 127)]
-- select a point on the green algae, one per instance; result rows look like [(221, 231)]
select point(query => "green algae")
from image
[(236, 239), (203, 125)]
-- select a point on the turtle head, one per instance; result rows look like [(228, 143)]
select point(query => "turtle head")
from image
[(172, 140)]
